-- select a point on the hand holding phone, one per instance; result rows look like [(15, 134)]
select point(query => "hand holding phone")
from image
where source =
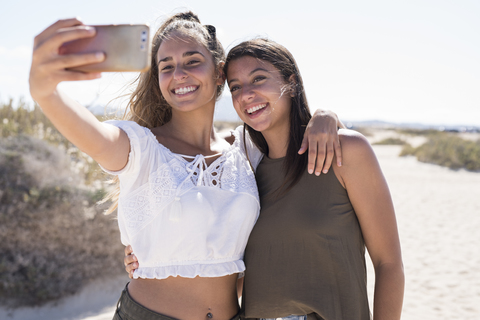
[(126, 48)]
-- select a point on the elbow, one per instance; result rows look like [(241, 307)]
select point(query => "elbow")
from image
[(392, 270)]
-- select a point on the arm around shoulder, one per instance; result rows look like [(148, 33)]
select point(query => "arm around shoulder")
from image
[(368, 191)]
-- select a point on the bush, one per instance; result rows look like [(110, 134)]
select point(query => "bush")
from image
[(55, 238), (447, 150), (391, 141)]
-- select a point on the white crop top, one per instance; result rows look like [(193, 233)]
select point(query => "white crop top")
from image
[(181, 217)]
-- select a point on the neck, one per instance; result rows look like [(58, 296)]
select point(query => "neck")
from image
[(277, 141), (193, 128), (191, 132)]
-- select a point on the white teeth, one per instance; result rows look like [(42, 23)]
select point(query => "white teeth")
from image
[(256, 108), (185, 90)]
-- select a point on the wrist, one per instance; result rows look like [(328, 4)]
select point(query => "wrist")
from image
[(46, 99)]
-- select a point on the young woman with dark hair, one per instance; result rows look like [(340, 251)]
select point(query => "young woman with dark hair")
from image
[(305, 257)]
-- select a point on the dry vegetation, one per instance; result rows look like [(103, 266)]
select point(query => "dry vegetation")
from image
[(391, 141), (455, 150), (54, 236), (447, 149)]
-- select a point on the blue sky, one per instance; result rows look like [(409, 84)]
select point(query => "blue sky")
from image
[(400, 61)]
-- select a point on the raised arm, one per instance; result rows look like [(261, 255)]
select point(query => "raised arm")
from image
[(106, 144), (321, 140), (368, 191)]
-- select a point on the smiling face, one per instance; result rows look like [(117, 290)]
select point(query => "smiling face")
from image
[(187, 75), (259, 94)]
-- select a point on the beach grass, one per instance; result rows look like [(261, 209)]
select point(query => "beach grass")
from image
[(448, 150)]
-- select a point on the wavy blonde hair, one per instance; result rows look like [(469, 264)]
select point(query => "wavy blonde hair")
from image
[(147, 106)]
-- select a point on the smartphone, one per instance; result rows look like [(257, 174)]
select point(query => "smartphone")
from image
[(126, 48)]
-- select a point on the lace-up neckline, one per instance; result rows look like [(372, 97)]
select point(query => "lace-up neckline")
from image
[(198, 171)]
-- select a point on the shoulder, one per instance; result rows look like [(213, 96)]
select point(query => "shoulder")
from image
[(352, 137), (141, 138), (358, 156), (130, 127), (354, 144)]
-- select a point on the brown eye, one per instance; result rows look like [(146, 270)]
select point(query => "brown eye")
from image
[(234, 88), (166, 68), (259, 78)]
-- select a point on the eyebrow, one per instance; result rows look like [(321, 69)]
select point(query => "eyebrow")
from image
[(252, 72), (186, 54)]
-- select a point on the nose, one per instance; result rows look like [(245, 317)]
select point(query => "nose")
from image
[(247, 94), (179, 74)]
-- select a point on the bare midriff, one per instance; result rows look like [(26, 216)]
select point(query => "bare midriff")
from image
[(188, 298)]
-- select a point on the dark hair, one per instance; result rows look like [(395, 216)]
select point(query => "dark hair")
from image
[(276, 54)]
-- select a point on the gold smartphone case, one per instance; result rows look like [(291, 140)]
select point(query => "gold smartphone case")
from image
[(126, 47)]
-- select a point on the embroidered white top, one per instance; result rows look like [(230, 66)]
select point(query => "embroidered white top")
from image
[(181, 217)]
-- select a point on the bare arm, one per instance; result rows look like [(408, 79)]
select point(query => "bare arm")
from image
[(108, 145), (321, 140), (368, 191)]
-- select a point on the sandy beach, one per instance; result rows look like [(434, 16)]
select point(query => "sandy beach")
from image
[(438, 213)]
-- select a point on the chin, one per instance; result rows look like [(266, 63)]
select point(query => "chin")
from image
[(257, 127)]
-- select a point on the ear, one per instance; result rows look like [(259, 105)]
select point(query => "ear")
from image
[(220, 73), (292, 83)]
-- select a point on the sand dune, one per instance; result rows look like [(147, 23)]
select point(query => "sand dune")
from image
[(438, 212)]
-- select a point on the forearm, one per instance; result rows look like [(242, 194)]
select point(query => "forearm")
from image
[(75, 122), (389, 289)]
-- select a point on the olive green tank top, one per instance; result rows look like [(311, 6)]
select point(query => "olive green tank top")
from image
[(306, 253)]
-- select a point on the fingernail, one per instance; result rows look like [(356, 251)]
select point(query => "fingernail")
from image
[(99, 55), (317, 173), (134, 257), (325, 171), (339, 164), (310, 171)]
